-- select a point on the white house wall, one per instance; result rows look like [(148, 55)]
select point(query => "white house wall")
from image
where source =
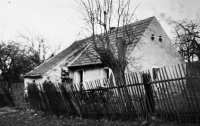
[(54, 74), (30, 80), (90, 74), (93, 73), (153, 53)]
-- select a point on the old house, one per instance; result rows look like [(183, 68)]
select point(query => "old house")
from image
[(151, 47), (52, 69)]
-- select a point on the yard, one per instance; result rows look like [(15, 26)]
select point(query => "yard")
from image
[(13, 117)]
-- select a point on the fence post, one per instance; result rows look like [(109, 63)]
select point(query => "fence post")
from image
[(149, 100)]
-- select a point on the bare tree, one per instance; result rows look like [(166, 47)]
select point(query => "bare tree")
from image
[(36, 44), (187, 39), (112, 35)]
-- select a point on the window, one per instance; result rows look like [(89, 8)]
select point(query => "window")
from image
[(160, 38), (79, 78), (64, 75), (152, 37), (106, 73), (105, 76)]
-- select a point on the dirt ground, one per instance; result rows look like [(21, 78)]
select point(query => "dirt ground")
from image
[(13, 117)]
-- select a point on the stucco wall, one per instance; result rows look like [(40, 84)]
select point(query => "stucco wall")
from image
[(89, 74), (153, 53), (55, 74), (30, 80)]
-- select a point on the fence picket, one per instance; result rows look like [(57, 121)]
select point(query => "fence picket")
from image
[(163, 93), (134, 97), (183, 91), (175, 91), (141, 93), (167, 84)]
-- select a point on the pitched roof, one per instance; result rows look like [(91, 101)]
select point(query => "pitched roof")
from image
[(72, 52), (137, 29), (68, 54)]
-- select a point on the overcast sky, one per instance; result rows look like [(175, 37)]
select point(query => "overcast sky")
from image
[(58, 20)]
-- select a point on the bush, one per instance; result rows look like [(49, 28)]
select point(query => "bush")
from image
[(5, 98)]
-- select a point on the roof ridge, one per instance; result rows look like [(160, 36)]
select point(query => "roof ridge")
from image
[(137, 22), (134, 23)]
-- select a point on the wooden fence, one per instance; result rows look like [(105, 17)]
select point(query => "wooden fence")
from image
[(171, 93), (50, 97)]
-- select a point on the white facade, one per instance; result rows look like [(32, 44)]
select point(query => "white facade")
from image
[(154, 53), (89, 74)]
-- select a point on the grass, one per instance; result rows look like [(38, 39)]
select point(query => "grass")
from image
[(13, 117)]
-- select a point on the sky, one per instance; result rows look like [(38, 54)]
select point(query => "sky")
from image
[(60, 23)]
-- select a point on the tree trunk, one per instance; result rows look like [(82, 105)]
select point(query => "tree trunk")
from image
[(9, 86), (198, 57), (123, 90), (149, 99)]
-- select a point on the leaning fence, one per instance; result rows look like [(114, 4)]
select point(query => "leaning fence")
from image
[(171, 93), (50, 97)]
